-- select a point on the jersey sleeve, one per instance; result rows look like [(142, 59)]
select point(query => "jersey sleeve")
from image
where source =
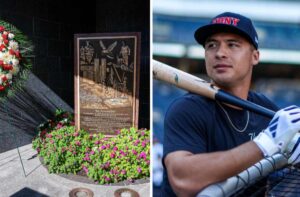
[(185, 126)]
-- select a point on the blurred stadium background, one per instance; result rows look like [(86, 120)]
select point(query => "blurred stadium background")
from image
[(277, 75)]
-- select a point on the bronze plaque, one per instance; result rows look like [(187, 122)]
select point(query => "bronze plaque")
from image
[(106, 81)]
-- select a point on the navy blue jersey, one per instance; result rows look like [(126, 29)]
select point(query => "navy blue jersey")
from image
[(199, 125)]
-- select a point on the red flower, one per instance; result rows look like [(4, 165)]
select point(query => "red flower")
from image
[(4, 36), (18, 54), (2, 28), (12, 52), (4, 78), (2, 47), (5, 41), (1, 88), (7, 67)]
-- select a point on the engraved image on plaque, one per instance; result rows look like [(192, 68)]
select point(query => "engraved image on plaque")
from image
[(106, 81)]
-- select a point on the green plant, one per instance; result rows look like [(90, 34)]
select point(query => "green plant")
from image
[(125, 156), (61, 119)]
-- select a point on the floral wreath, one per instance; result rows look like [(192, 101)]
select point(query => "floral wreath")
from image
[(15, 49)]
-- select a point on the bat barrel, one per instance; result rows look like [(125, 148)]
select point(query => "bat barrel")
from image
[(183, 80)]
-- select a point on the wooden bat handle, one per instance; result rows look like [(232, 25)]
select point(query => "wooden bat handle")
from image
[(183, 80), (196, 85)]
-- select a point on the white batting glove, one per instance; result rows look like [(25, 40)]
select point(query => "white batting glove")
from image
[(284, 125), (293, 150)]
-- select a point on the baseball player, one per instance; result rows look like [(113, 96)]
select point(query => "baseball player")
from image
[(207, 141)]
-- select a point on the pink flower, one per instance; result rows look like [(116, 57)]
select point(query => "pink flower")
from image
[(107, 164), (59, 125), (134, 152), (92, 152), (139, 170), (106, 178), (97, 142), (123, 171), (144, 143), (87, 157), (118, 132), (78, 143), (112, 155), (114, 171), (103, 147), (76, 134), (49, 136), (86, 170), (136, 142), (115, 148), (143, 155), (122, 153), (142, 133), (51, 141), (108, 146)]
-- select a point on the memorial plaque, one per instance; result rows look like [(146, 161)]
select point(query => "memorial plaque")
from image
[(106, 81)]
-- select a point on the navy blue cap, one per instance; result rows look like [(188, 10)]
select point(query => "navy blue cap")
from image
[(228, 22)]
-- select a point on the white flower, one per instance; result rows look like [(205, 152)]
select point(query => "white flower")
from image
[(15, 70), (1, 81), (6, 57), (11, 36), (9, 76), (5, 32), (14, 45), (15, 62)]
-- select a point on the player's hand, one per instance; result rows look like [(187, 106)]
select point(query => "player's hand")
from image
[(293, 150), (284, 125)]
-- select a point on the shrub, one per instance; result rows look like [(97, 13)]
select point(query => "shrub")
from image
[(61, 119), (125, 156)]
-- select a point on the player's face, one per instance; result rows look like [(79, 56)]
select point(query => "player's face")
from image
[(229, 59)]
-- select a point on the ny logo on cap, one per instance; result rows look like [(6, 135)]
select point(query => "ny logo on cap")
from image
[(226, 20)]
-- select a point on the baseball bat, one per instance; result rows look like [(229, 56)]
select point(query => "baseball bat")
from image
[(199, 86)]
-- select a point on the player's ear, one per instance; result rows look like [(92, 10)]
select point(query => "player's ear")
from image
[(255, 57)]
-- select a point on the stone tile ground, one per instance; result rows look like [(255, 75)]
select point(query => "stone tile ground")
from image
[(38, 182)]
